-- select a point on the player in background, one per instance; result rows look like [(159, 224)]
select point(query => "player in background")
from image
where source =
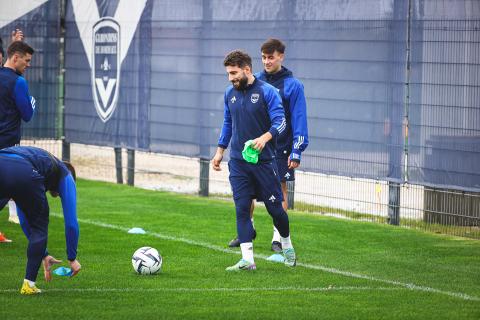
[(17, 35)]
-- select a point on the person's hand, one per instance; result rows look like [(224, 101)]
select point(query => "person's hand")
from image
[(260, 142), (293, 164), (217, 159), (75, 266), (17, 35), (48, 263)]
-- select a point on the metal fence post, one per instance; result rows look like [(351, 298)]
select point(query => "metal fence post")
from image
[(204, 176), (118, 164), (61, 86), (130, 167), (65, 150), (291, 194), (393, 203)]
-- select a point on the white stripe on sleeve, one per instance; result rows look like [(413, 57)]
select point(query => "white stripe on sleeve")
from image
[(300, 141), (282, 126), (32, 102)]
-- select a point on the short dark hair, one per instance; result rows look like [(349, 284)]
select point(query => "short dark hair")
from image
[(19, 47), (237, 58), (71, 169), (272, 45)]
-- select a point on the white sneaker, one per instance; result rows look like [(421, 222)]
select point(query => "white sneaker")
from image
[(14, 219), (290, 257), (242, 265)]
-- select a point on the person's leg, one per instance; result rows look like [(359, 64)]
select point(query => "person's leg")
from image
[(3, 237), (285, 195), (33, 202), (235, 242), (276, 242), (37, 243), (24, 223), (242, 188), (245, 234), (4, 188), (281, 222), (279, 217), (244, 224), (26, 187), (252, 208), (12, 211), (266, 177), (284, 175)]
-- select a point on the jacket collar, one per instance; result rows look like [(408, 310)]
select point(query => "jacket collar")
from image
[(281, 74)]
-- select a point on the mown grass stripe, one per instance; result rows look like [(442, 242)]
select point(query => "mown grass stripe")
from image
[(411, 286), (179, 290)]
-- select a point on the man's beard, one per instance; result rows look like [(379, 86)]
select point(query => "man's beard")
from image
[(241, 84)]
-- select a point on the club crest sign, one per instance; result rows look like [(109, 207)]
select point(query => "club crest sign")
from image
[(106, 41), (106, 66)]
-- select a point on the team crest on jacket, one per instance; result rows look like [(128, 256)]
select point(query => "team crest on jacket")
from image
[(254, 97), (106, 66)]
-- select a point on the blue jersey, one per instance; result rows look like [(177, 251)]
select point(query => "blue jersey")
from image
[(56, 177), (15, 105), (295, 139), (250, 113)]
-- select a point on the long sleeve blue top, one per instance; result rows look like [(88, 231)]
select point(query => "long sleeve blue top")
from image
[(295, 139), (57, 178), (15, 105), (250, 113)]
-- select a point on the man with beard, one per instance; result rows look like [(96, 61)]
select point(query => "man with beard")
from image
[(294, 141), (253, 113)]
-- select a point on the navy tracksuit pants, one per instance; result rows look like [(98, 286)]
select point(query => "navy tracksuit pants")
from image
[(21, 182)]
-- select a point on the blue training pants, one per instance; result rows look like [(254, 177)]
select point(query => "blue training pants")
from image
[(22, 183)]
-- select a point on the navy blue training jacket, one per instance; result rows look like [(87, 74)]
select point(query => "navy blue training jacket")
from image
[(250, 113), (15, 105), (295, 139)]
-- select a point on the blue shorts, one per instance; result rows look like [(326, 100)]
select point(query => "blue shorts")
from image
[(260, 181), (284, 172)]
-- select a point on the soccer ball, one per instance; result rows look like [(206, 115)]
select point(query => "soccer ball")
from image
[(146, 260)]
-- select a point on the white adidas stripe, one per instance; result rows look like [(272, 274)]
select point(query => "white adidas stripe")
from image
[(299, 142), (32, 102), (282, 126)]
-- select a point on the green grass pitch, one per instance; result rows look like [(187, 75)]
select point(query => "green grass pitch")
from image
[(347, 269)]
